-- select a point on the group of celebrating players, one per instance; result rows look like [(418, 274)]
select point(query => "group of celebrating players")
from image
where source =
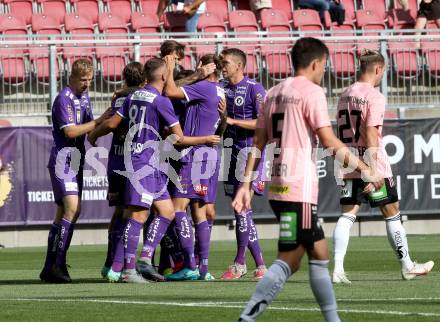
[(163, 109)]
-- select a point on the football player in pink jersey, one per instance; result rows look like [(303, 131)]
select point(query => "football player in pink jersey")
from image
[(294, 114), (360, 116)]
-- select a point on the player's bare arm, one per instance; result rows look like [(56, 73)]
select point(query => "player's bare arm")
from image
[(106, 127), (182, 140), (343, 154), (245, 124), (201, 73), (171, 89), (73, 131)]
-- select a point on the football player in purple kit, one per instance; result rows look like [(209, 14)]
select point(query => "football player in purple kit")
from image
[(72, 118), (133, 76), (198, 167), (145, 111), (243, 99)]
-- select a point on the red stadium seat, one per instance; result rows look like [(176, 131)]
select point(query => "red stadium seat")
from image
[(5, 123), (22, 9), (210, 22), (406, 60), (112, 58), (308, 20), (143, 22), (54, 8), (219, 8), (244, 22), (174, 22), (122, 8), (342, 53), (278, 65), (371, 23), (11, 25), (87, 8), (431, 52), (44, 25), (284, 6), (12, 66), (147, 24), (379, 7), (274, 20), (148, 6), (78, 28)]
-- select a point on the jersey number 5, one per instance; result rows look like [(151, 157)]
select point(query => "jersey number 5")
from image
[(277, 123), (348, 126)]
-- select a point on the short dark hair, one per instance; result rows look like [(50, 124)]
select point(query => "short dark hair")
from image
[(369, 59), (168, 46), (150, 68), (236, 53), (306, 50), (183, 73), (212, 58), (133, 74)]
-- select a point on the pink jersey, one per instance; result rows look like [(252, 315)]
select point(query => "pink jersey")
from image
[(361, 106), (292, 113)]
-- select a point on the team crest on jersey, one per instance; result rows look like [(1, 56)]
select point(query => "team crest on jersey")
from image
[(260, 186), (239, 100), (201, 189)]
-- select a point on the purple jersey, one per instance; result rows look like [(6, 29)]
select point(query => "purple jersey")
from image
[(116, 154), (69, 109), (146, 107), (243, 101), (202, 116)]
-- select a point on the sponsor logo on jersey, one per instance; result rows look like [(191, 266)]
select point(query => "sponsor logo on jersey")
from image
[(119, 102), (281, 190), (144, 96)]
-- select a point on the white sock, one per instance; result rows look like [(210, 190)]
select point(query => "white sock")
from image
[(341, 236), (267, 289), (323, 289), (397, 238)]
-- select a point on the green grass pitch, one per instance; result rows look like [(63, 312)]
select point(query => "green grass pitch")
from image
[(377, 292)]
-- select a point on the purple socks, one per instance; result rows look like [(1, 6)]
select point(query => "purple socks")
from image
[(65, 236), (254, 244), (185, 233), (204, 237), (155, 233), (242, 235), (52, 245)]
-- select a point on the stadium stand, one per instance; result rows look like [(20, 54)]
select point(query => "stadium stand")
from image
[(219, 8), (122, 8), (379, 7), (21, 9), (308, 20)]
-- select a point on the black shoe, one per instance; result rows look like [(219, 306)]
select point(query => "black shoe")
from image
[(66, 273), (54, 275), (148, 272)]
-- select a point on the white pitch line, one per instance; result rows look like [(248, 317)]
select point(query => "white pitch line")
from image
[(223, 305)]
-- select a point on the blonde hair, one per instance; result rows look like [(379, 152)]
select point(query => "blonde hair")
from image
[(81, 67), (369, 59)]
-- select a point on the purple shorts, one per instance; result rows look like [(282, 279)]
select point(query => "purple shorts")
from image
[(150, 188), (196, 187), (63, 187), (232, 184), (116, 188)]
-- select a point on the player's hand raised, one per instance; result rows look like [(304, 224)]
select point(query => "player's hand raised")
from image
[(213, 140), (242, 200), (170, 60), (206, 69)]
